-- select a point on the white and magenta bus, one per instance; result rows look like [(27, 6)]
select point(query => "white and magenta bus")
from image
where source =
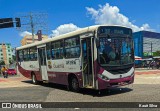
[(97, 57)]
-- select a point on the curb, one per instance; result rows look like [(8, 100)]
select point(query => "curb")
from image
[(147, 72)]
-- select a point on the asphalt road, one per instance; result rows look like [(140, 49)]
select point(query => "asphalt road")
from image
[(59, 93), (145, 89), (56, 93)]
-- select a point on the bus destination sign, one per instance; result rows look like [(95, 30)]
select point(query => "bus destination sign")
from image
[(114, 30)]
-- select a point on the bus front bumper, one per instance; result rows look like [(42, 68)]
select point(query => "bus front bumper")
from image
[(104, 84)]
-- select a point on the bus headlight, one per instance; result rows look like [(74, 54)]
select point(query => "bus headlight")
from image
[(132, 74), (103, 77)]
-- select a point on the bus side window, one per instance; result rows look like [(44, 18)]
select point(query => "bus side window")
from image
[(33, 54), (72, 47), (48, 50), (26, 54), (20, 55), (57, 54), (68, 54), (53, 54), (61, 49), (57, 50)]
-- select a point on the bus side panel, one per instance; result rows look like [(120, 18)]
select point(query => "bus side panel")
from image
[(101, 84), (80, 79), (26, 68), (62, 77), (38, 75), (58, 70), (97, 70), (58, 77), (24, 72), (52, 77)]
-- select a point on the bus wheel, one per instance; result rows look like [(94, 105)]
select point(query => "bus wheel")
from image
[(74, 85), (34, 80)]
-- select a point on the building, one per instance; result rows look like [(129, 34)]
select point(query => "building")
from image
[(146, 43), (6, 53), (28, 39)]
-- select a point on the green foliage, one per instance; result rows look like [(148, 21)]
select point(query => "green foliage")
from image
[(10, 61), (14, 58), (2, 63), (157, 53)]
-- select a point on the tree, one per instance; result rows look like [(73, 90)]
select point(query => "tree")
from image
[(10, 61), (157, 53), (2, 63), (14, 57)]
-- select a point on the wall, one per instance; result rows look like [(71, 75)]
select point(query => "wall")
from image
[(6, 52), (138, 45), (151, 39), (28, 39), (143, 41)]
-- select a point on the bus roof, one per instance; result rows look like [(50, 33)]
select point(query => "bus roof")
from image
[(70, 34)]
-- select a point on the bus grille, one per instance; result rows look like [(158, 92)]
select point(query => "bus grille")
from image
[(119, 71)]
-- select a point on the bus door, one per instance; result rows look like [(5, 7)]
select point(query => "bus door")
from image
[(87, 62), (42, 63)]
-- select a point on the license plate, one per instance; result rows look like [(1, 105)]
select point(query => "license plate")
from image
[(122, 83)]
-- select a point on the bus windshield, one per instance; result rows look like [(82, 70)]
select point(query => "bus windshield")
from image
[(115, 51)]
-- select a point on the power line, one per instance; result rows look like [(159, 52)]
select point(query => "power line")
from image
[(33, 21)]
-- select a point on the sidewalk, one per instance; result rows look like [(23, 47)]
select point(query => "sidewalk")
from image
[(146, 71), (15, 81)]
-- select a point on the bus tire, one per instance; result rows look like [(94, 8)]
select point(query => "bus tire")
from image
[(34, 80), (74, 85)]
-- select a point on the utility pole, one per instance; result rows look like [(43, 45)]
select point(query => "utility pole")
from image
[(32, 27), (33, 22)]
